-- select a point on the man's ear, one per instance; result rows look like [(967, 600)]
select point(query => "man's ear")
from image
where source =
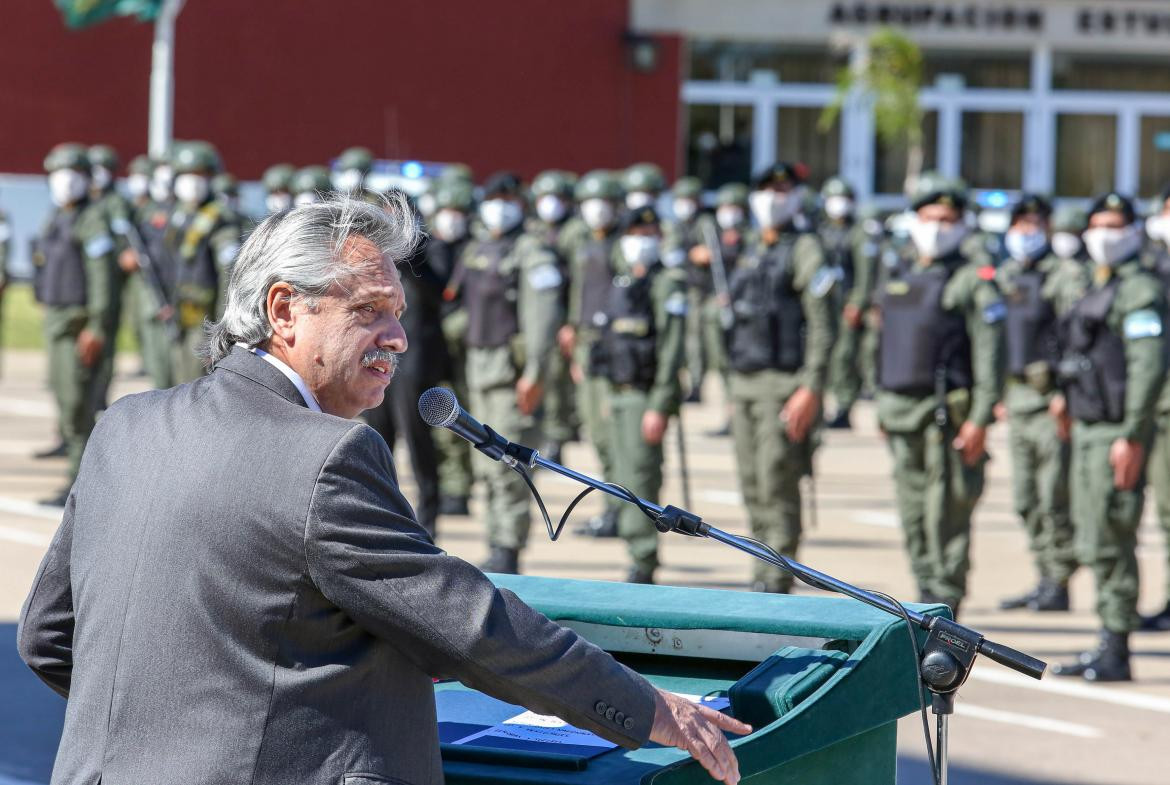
[(281, 315)]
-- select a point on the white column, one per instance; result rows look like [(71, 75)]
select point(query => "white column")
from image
[(1039, 174), (162, 79), (950, 124), (763, 122), (1125, 177), (857, 133)]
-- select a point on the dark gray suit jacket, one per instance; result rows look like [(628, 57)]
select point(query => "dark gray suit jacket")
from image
[(239, 593)]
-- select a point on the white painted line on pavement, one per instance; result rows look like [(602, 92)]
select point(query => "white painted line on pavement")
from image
[(27, 408), (32, 509), (870, 518), (714, 496), (1028, 721), (1052, 684), (25, 538)]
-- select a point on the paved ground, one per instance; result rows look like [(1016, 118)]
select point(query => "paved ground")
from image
[(1008, 729)]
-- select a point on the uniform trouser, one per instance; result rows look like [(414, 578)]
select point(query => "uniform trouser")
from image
[(398, 415), (704, 339), (867, 355), (845, 366), (769, 464), (593, 409), (638, 466), (186, 365), (1040, 465), (1158, 470), (1106, 521), (936, 494), (507, 494), (72, 383), (558, 413), (455, 474), (153, 341)]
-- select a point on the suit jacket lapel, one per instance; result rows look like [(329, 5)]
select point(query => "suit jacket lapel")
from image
[(250, 366)]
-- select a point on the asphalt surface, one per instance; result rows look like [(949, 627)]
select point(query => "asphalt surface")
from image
[(1008, 729)]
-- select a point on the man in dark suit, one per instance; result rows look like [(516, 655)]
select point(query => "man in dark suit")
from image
[(264, 608)]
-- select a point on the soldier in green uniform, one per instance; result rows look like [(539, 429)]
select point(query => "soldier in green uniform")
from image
[(203, 239), (509, 284), (351, 174), (639, 352), (598, 196), (642, 183), (1113, 367), (277, 180), (226, 189), (1030, 280), (75, 281), (778, 349), (853, 256), (138, 187), (1068, 224), (939, 378), (683, 237), (552, 224), (450, 233), (309, 184), (888, 264)]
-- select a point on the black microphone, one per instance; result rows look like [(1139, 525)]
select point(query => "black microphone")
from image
[(439, 408)]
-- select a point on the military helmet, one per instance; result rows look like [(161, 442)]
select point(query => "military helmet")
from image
[(359, 158), (502, 184), (196, 157), (555, 182), (777, 174), (1069, 219), (687, 188), (643, 216), (311, 178), (67, 155), (1029, 204), (598, 184), (455, 195), (225, 184), (104, 156), (456, 172), (1114, 202), (278, 177), (643, 177), (141, 164), (835, 186), (937, 188), (732, 193)]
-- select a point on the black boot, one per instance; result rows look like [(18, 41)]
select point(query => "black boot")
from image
[(453, 505), (551, 451), (1159, 622), (719, 433), (840, 421), (58, 499), (1050, 597), (604, 525), (57, 451), (1020, 601), (1109, 661), (772, 587), (638, 575), (503, 560)]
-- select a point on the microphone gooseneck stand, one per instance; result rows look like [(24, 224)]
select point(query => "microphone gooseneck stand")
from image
[(944, 661)]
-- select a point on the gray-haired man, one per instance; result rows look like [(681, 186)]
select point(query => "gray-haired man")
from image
[(266, 609)]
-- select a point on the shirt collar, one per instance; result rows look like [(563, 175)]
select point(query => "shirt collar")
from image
[(292, 375)]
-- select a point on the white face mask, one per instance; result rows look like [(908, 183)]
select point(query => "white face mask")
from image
[(191, 188), (426, 205), (551, 208), (838, 207), (1111, 247), (639, 199), (277, 202), (1066, 245), (936, 239), (100, 178), (1158, 228), (67, 186), (138, 185), (684, 209), (500, 215), (349, 180), (160, 184), (308, 197), (597, 213), (450, 225), (729, 216), (773, 209), (639, 248), (1025, 246)]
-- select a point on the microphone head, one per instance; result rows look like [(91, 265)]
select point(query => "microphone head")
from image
[(438, 407)]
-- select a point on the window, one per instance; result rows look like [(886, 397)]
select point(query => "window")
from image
[(992, 149), (719, 143), (729, 61), (889, 162), (1085, 153), (1108, 71), (1154, 174), (799, 140), (980, 69)]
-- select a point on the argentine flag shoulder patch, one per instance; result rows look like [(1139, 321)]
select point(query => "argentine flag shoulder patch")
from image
[(823, 281), (1146, 323), (99, 245), (995, 312), (676, 304), (546, 276)]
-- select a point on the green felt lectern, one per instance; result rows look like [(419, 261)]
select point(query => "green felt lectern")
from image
[(822, 680)]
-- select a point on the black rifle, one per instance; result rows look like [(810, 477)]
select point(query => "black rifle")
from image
[(153, 278)]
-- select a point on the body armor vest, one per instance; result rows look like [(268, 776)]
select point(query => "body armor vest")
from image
[(626, 353), (153, 231), (1030, 325), (196, 274), (61, 281), (768, 331), (490, 295), (839, 254), (922, 345), (1093, 366), (596, 281)]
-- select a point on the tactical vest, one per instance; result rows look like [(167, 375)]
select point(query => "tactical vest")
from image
[(61, 280), (839, 254), (596, 281), (626, 353), (196, 273), (1093, 367), (490, 295), (1030, 325), (768, 331), (922, 344), (154, 236)]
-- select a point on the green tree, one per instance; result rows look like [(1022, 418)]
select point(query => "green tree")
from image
[(888, 74)]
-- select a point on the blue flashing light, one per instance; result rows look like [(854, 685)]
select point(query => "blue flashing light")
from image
[(412, 169), (995, 199)]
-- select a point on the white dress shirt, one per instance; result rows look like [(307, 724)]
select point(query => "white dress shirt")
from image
[(292, 375)]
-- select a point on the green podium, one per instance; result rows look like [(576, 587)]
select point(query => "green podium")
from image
[(822, 680)]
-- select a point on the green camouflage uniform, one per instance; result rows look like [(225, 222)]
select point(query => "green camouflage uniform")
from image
[(117, 213), (848, 239)]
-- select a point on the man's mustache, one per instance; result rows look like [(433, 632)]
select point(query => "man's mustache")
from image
[(381, 356)]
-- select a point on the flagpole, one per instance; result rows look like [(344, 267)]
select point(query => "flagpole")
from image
[(162, 79)]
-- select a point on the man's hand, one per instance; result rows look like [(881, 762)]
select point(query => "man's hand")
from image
[(567, 340), (1126, 459), (528, 395), (1058, 410), (128, 261), (653, 427), (999, 412), (89, 348), (970, 442), (697, 730), (851, 313), (799, 413), (700, 255)]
